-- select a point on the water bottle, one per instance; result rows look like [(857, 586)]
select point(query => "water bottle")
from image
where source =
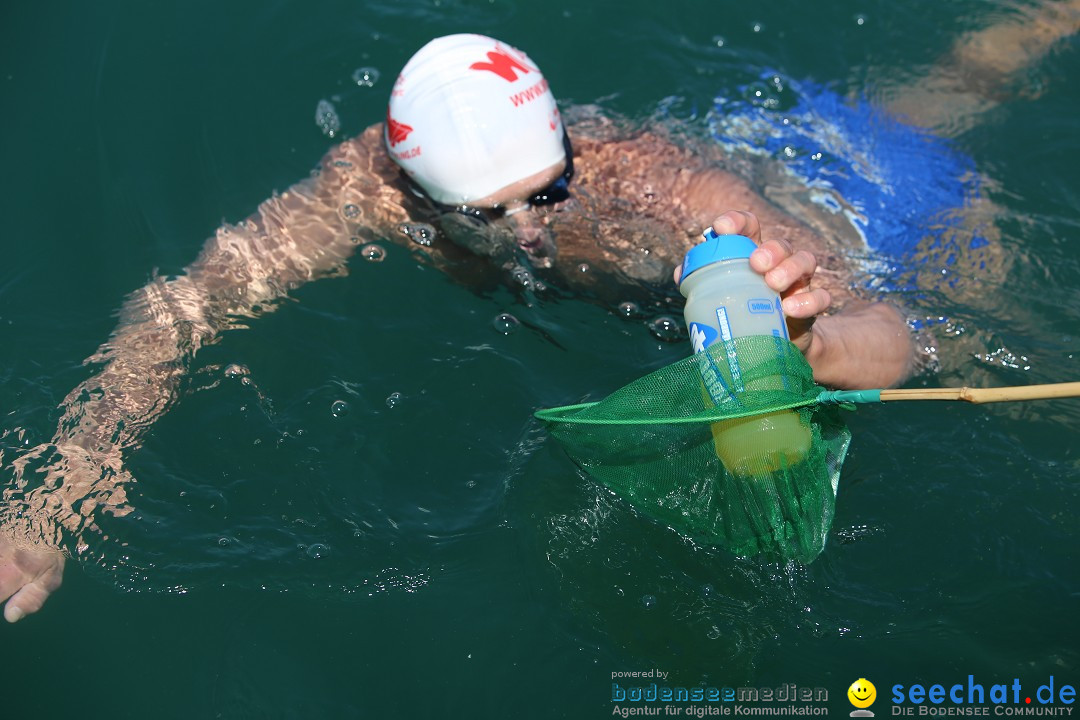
[(726, 299)]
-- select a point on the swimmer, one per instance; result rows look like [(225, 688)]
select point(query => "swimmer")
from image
[(532, 199)]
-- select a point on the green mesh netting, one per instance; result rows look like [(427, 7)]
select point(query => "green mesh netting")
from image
[(728, 447)]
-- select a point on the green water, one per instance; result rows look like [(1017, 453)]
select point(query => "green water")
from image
[(441, 558)]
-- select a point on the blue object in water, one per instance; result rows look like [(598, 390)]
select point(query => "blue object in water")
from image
[(896, 183)]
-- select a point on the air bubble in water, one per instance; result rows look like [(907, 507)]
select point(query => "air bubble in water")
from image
[(583, 268), (718, 40), (339, 408), (373, 253), (757, 27), (762, 94), (506, 323), (666, 329), (419, 233), (860, 19), (521, 276), (393, 400), (629, 309), (327, 119), (648, 601), (365, 76), (351, 211), (317, 550)]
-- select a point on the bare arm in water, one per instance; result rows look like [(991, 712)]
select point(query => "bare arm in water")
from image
[(303, 234), (971, 78)]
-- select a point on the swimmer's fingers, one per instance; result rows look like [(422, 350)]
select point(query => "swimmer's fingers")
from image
[(785, 271), (805, 305), (28, 577), (733, 222), (738, 222), (789, 274)]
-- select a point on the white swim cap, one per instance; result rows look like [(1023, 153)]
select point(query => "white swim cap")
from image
[(470, 115)]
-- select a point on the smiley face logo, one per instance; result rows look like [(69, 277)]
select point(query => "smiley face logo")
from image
[(862, 693)]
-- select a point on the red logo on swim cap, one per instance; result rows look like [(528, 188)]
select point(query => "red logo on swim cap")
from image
[(396, 131), (502, 65)]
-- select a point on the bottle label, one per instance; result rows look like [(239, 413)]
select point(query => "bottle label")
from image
[(723, 324), (701, 336), (729, 346), (760, 306)]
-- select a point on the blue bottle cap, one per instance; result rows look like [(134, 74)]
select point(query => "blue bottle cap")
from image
[(716, 248)]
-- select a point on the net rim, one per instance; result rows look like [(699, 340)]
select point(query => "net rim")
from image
[(566, 414)]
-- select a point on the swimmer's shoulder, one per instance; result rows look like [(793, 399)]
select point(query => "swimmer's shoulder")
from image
[(358, 174), (663, 177), (362, 156), (657, 175)]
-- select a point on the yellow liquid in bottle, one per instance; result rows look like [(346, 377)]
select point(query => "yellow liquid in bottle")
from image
[(761, 444)]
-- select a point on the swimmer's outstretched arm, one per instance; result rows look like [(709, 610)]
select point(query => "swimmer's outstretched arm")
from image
[(300, 235), (863, 346)]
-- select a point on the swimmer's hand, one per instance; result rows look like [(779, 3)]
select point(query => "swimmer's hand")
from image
[(864, 345), (70, 485), (787, 272), (28, 575)]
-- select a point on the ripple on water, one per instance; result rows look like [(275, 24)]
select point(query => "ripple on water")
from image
[(235, 370)]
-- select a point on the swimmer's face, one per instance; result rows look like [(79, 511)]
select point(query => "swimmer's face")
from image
[(862, 693), (498, 238), (491, 226)]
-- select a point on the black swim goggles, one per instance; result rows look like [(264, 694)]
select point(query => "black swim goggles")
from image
[(557, 192)]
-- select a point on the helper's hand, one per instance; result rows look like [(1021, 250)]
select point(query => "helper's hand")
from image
[(787, 272)]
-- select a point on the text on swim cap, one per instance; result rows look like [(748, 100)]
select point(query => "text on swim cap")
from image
[(408, 154), (530, 94)]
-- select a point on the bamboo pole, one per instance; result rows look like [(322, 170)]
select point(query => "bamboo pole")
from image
[(987, 395)]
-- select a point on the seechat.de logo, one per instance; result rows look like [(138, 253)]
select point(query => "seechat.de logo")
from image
[(862, 695)]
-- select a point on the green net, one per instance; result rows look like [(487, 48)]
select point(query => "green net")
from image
[(729, 447)]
